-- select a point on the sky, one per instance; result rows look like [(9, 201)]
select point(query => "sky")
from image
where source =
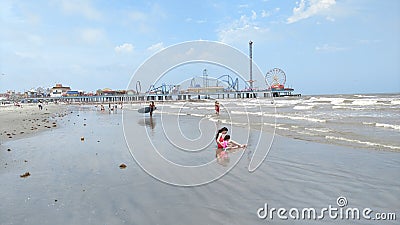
[(323, 46)]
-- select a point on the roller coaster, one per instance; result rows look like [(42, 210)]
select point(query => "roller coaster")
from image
[(225, 80), (275, 80)]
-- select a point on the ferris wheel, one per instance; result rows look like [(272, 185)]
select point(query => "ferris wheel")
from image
[(275, 77)]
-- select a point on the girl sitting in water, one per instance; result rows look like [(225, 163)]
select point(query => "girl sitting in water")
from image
[(227, 144), (230, 144)]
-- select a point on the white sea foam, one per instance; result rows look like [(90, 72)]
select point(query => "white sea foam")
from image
[(286, 103), (296, 118), (224, 121), (364, 102), (392, 126), (363, 142), (197, 115), (178, 106), (368, 123), (346, 107), (306, 133), (303, 107), (364, 96), (272, 124), (395, 102), (325, 100), (338, 107), (240, 112), (282, 128), (320, 130), (207, 108), (247, 113)]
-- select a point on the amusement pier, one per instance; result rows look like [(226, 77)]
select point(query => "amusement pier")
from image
[(200, 87)]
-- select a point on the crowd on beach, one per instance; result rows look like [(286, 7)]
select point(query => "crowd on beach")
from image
[(111, 108)]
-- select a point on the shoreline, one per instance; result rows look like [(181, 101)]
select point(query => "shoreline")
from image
[(28, 120)]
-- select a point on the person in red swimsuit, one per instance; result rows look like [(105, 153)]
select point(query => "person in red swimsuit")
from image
[(217, 107), (219, 138)]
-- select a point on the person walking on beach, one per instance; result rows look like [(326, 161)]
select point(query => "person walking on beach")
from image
[(216, 107), (152, 108)]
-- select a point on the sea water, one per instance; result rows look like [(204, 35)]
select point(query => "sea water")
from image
[(364, 121)]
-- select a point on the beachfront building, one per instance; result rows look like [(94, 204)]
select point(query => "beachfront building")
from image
[(108, 91), (59, 90), (73, 93), (3, 97)]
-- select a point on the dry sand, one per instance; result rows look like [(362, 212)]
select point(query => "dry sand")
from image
[(19, 122)]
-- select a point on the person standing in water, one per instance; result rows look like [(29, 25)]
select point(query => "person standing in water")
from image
[(152, 108), (216, 107)]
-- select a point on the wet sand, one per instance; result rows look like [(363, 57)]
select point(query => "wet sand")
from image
[(20, 122), (81, 182)]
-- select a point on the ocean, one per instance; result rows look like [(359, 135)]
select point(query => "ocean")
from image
[(363, 121)]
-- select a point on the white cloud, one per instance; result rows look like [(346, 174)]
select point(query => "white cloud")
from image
[(124, 48), (265, 13), (244, 28), (81, 7), (156, 47), (329, 48), (308, 8), (269, 13)]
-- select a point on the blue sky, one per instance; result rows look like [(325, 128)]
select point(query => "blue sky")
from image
[(324, 46)]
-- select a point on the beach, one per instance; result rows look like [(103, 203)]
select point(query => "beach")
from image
[(76, 175), (20, 122)]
